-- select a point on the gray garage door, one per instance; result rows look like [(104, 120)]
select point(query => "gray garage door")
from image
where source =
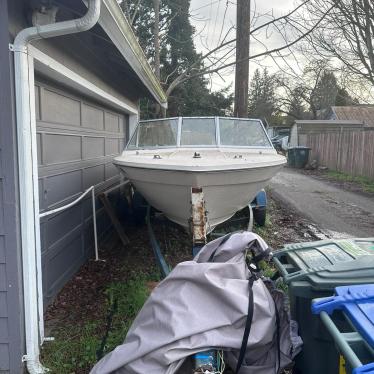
[(77, 140)]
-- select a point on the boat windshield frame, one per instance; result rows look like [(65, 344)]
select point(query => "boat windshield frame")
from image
[(178, 144)]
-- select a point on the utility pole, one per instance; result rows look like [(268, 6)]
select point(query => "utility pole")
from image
[(159, 111), (243, 21), (156, 35)]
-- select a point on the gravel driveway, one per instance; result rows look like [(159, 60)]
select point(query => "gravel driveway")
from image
[(337, 212)]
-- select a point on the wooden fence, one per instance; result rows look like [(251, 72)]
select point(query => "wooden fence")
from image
[(348, 151)]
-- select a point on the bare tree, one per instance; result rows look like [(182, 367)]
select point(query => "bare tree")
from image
[(263, 28), (312, 86), (345, 34), (290, 31)]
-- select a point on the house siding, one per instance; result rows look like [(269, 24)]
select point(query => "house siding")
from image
[(11, 341)]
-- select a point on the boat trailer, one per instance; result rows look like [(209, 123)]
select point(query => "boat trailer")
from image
[(207, 361)]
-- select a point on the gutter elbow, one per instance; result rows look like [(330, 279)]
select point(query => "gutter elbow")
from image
[(84, 23), (91, 18), (35, 367)]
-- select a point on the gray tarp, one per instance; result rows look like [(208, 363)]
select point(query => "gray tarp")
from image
[(202, 305)]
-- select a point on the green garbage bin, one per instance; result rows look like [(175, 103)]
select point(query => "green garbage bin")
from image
[(291, 157), (313, 270), (300, 157)]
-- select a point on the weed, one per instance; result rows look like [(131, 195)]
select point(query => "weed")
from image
[(365, 183), (75, 347), (72, 350), (265, 231), (129, 298)]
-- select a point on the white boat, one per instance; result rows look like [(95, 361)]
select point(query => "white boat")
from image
[(231, 159)]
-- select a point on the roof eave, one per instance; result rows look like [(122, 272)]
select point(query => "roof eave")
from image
[(115, 24)]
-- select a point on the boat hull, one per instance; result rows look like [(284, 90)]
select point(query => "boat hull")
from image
[(225, 191)]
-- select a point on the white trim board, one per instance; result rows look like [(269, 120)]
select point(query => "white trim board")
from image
[(53, 69), (116, 26)]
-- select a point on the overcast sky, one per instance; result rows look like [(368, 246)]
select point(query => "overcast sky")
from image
[(212, 20)]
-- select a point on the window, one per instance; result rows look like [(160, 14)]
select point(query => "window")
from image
[(160, 133), (198, 131), (243, 133)]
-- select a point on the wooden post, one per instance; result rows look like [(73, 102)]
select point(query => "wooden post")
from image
[(243, 20)]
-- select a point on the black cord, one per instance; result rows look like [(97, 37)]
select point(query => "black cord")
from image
[(248, 325), (109, 321)]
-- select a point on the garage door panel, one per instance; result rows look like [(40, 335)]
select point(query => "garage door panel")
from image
[(93, 175), (39, 148), (112, 146), (62, 261), (61, 148), (110, 171), (121, 145), (92, 117), (122, 124), (62, 186), (60, 108), (60, 225), (3, 285), (2, 251), (112, 122), (93, 147), (42, 194)]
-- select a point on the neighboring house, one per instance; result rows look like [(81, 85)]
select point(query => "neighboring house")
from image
[(66, 108), (301, 128), (361, 113)]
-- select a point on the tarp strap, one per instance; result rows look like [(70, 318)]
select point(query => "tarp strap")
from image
[(224, 240), (248, 325)]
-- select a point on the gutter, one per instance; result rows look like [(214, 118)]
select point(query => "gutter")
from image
[(143, 69), (28, 174)]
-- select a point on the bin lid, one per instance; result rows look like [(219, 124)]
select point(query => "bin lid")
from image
[(357, 301), (298, 147), (328, 263)]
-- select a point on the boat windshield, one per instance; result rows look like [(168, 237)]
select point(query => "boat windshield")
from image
[(243, 133), (159, 133), (199, 131)]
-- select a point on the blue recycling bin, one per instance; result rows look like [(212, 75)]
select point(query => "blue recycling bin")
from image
[(356, 345)]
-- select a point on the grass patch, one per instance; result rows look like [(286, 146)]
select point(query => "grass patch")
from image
[(365, 183), (76, 347), (126, 299), (267, 230)]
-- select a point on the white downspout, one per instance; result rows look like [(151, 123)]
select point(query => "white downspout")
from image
[(28, 174)]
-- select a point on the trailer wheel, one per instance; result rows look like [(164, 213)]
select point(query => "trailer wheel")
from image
[(259, 216), (139, 208)]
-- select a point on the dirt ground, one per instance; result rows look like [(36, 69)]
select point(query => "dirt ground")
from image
[(85, 298)]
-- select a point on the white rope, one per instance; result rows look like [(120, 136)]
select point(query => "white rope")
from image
[(67, 206), (76, 201)]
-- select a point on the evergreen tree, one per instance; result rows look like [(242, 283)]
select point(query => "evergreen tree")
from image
[(177, 53), (343, 98), (296, 108), (262, 96), (325, 92)]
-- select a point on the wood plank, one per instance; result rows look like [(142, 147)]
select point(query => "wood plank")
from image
[(113, 217)]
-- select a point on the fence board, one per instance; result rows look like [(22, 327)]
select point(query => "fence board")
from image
[(349, 151)]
